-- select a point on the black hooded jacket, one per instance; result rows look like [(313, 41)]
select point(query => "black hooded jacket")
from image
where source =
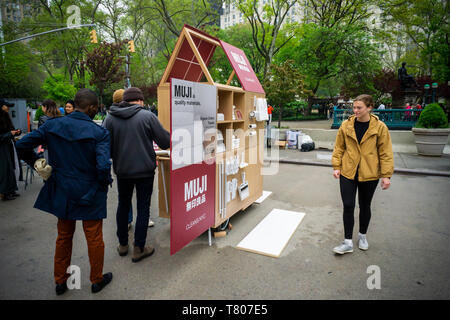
[(133, 130)]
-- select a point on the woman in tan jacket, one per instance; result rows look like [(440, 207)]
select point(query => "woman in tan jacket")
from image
[(362, 155)]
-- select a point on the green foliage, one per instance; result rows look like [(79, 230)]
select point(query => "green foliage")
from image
[(20, 76), (334, 54), (432, 117), (426, 24), (271, 30), (58, 89), (239, 36), (297, 105), (305, 118), (38, 114), (284, 83), (105, 65), (99, 116)]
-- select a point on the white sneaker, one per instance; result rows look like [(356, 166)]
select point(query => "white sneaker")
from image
[(362, 243), (151, 223), (343, 248)]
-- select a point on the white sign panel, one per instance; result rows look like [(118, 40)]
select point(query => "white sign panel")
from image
[(193, 122)]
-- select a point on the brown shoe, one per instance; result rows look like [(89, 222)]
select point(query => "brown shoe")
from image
[(123, 250), (141, 253)]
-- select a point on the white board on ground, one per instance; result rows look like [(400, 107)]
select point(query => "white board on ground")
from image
[(273, 233), (264, 196)]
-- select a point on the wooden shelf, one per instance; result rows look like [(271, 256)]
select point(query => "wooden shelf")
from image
[(230, 121)]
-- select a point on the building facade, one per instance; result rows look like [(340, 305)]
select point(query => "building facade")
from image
[(230, 14)]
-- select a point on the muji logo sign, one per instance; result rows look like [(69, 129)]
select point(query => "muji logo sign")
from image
[(183, 92), (240, 61)]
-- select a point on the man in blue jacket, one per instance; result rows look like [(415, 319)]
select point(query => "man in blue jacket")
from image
[(79, 157)]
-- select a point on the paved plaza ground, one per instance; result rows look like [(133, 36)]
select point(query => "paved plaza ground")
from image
[(409, 241)]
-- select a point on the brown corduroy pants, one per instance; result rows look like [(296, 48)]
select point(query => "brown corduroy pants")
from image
[(63, 252)]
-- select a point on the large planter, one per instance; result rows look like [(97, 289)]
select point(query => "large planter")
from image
[(431, 142)]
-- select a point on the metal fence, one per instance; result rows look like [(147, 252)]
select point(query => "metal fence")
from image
[(394, 118)]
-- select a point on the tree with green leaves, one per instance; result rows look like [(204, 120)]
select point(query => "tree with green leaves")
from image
[(284, 84), (426, 23), (239, 36), (105, 65), (20, 76), (326, 54), (270, 33), (59, 89), (60, 52), (336, 44)]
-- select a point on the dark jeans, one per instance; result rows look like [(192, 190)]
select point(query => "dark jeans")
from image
[(144, 188), (348, 194)]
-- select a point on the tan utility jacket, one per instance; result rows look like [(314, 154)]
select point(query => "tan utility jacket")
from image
[(373, 155)]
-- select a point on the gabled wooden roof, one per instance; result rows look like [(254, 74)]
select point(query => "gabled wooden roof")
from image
[(191, 57)]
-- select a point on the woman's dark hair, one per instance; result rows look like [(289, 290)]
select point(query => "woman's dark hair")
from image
[(5, 122), (51, 109), (71, 102)]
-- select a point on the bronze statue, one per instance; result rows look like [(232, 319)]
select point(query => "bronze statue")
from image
[(407, 81)]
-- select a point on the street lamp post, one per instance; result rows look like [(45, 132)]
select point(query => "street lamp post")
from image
[(425, 98), (434, 86)]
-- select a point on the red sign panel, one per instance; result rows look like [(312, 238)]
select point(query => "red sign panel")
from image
[(242, 68), (192, 191), (193, 168)]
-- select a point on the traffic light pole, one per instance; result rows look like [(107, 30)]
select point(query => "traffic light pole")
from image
[(46, 32), (127, 71)]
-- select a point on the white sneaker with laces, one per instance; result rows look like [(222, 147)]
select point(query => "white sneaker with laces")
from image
[(362, 243), (151, 223), (344, 247)]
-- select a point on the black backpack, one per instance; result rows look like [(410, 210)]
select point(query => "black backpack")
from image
[(307, 147)]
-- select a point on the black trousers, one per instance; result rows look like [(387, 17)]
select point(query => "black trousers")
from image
[(348, 194), (144, 188)]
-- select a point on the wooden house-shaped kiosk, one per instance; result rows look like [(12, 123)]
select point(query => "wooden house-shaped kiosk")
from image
[(236, 121)]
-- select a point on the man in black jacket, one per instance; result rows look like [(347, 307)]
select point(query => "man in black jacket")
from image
[(133, 130)]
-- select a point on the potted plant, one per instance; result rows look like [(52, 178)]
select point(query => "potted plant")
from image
[(431, 131)]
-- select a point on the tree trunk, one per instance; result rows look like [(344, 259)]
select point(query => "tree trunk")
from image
[(100, 98), (316, 87), (279, 117)]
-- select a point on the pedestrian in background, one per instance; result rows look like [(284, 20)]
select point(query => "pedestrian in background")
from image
[(9, 162), (408, 113), (69, 107), (269, 112), (76, 183), (50, 111), (330, 111), (133, 130), (362, 155)]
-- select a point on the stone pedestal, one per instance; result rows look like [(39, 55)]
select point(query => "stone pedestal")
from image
[(408, 95)]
